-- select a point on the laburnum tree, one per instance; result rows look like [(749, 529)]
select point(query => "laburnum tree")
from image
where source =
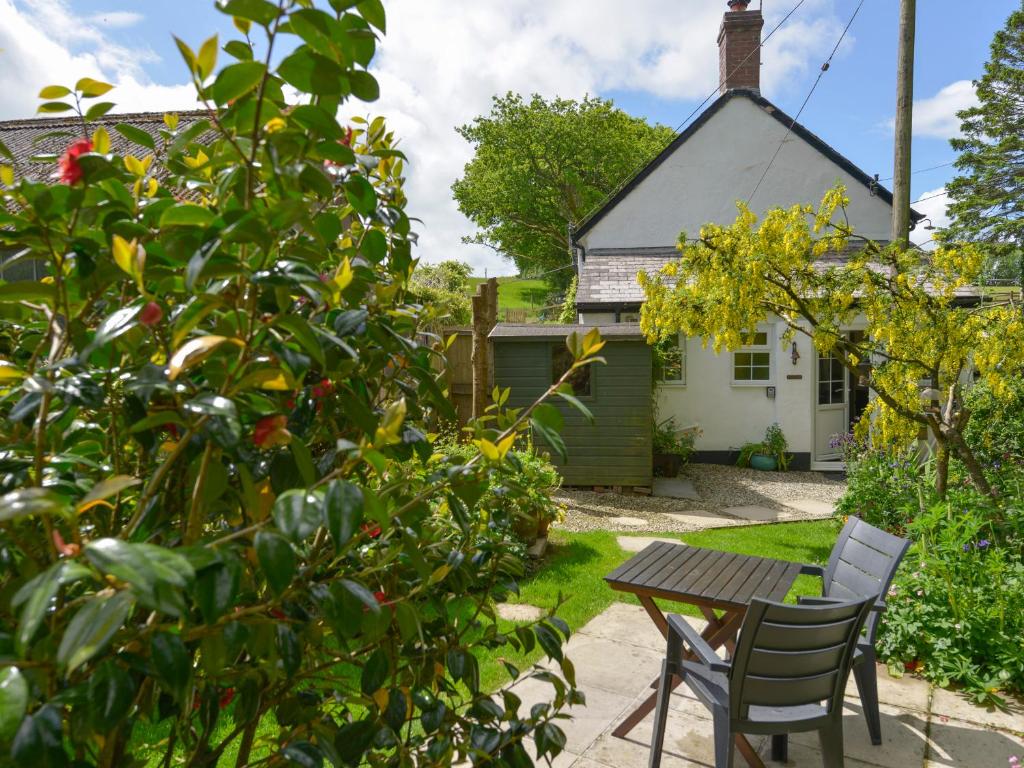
[(987, 195), (227, 536), (539, 166), (927, 328)]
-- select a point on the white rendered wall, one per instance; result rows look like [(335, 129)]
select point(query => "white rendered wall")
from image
[(731, 414), (701, 181), (597, 318)]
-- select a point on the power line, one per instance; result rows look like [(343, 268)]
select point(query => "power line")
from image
[(690, 116), (821, 73), (929, 197), (923, 170)]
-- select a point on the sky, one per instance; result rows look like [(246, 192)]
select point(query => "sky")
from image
[(443, 60)]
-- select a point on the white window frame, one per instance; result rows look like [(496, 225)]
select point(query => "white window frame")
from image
[(680, 382), (754, 348)]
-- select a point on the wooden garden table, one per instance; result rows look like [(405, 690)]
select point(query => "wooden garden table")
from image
[(720, 584)]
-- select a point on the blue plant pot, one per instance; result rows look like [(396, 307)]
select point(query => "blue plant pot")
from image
[(764, 463)]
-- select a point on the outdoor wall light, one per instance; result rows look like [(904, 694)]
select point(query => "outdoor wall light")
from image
[(794, 353)]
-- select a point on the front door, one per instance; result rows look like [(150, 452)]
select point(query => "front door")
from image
[(830, 413)]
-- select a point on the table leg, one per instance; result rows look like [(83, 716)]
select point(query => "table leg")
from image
[(749, 753), (780, 747)]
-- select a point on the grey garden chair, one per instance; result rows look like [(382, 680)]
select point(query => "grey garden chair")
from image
[(863, 562), (788, 674)]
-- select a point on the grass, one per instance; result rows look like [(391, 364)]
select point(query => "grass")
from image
[(518, 293), (577, 562)]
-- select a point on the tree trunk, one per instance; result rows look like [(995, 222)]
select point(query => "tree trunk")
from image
[(942, 470), (967, 456)]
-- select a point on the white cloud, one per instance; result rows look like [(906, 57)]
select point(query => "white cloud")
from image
[(933, 205), (43, 42), (116, 19), (441, 63), (935, 116)]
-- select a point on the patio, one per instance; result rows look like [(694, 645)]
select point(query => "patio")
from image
[(619, 652)]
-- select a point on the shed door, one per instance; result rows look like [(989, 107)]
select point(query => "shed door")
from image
[(830, 411)]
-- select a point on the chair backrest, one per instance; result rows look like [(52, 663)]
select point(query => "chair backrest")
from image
[(863, 562), (788, 655)]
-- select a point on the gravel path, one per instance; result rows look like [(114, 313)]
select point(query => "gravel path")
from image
[(728, 496)]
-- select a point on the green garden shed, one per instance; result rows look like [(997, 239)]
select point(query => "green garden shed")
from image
[(616, 449)]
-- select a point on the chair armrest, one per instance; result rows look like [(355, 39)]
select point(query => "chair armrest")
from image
[(879, 606), (691, 639), (808, 569)]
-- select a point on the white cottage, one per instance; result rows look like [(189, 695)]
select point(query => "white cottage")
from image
[(720, 158)]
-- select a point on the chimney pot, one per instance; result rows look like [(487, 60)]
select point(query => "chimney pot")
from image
[(739, 48)]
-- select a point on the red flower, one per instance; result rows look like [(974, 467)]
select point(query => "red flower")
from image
[(172, 430), (277, 613), (271, 431), (151, 314), (227, 697), (381, 597), (347, 141), (65, 550), (70, 170), (373, 531)]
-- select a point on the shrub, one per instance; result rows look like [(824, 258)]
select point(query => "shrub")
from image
[(884, 489), (996, 428), (956, 609), (670, 439), (220, 515)]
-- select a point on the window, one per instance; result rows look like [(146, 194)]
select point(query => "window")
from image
[(629, 317), (831, 381), (752, 364), (561, 361), (670, 360)]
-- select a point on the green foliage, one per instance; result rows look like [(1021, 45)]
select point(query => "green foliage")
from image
[(956, 610), (670, 439), (215, 478), (986, 195), (996, 428), (444, 289), (540, 166), (774, 444), (568, 314), (884, 489)]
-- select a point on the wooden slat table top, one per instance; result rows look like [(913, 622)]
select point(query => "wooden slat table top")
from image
[(703, 576)]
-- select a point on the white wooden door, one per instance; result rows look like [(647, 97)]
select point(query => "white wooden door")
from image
[(830, 417)]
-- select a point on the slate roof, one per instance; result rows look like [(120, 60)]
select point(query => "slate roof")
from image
[(51, 135), (527, 331), (796, 128)]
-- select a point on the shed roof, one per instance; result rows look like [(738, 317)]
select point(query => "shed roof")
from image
[(531, 332)]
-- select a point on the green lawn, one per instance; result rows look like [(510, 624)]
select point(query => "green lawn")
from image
[(576, 563), (518, 293)]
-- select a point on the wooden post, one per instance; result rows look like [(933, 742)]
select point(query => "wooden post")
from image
[(904, 125), (485, 316)]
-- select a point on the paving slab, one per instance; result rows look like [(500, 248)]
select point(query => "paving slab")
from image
[(519, 611), (951, 704), (904, 740), (587, 722), (698, 519), (617, 667), (908, 692), (675, 488), (623, 623), (815, 507), (639, 543), (959, 744), (804, 756), (759, 514)]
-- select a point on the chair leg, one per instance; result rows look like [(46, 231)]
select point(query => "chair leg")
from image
[(866, 676), (832, 744), (724, 742), (661, 713), (780, 747)]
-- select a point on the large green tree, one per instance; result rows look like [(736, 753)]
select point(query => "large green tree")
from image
[(540, 165), (987, 197)]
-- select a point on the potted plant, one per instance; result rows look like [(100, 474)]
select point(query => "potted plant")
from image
[(767, 455), (673, 447)]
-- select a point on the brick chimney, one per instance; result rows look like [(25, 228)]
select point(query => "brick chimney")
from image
[(739, 48)]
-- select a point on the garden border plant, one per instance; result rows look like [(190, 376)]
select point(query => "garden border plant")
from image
[(221, 510)]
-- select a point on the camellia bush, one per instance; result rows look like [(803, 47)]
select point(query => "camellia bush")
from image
[(226, 537)]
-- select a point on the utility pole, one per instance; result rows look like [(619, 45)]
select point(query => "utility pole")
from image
[(904, 125)]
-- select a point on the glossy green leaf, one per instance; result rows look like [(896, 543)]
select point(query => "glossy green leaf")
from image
[(92, 627), (289, 649), (90, 88), (206, 59), (99, 109), (38, 594), (303, 754), (216, 589), (312, 73), (342, 511), (236, 80), (32, 501), (27, 291), (187, 215), (375, 672), (239, 50), (297, 514), (360, 195), (13, 701), (54, 92), (110, 694), (39, 742), (364, 86), (172, 663), (259, 11), (303, 334), (136, 135), (142, 565), (277, 559)]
